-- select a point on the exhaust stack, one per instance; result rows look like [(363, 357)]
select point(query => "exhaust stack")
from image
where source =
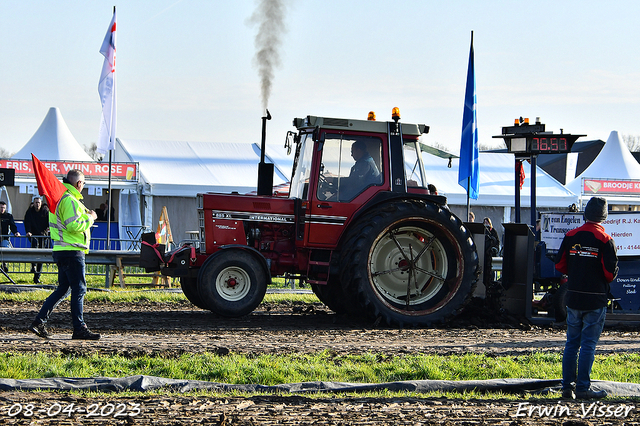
[(265, 170)]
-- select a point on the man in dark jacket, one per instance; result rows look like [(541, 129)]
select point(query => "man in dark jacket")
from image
[(363, 173), (7, 223), (36, 226), (588, 256)]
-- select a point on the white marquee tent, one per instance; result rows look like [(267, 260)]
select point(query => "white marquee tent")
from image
[(179, 168), (497, 182), (173, 172), (53, 141)]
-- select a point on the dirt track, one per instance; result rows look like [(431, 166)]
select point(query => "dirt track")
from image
[(171, 329)]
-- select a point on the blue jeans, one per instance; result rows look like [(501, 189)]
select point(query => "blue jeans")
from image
[(71, 279), (583, 332)]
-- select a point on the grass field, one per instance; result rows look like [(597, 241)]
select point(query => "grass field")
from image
[(324, 366), (291, 368)]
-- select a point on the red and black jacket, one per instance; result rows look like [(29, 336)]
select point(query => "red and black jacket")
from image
[(588, 256)]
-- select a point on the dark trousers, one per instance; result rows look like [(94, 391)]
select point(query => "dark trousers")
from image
[(71, 278), (38, 241)]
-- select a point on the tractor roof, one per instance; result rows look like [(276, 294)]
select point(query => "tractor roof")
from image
[(311, 121)]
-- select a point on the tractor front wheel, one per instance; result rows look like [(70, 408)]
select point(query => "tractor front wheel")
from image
[(190, 289), (232, 283)]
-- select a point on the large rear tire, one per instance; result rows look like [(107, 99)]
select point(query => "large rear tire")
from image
[(332, 295), (232, 283), (190, 289), (410, 263)]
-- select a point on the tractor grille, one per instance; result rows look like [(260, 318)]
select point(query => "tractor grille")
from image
[(261, 206), (203, 238)]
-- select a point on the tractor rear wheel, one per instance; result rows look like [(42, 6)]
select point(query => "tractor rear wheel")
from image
[(332, 295), (410, 263), (232, 283), (190, 289)]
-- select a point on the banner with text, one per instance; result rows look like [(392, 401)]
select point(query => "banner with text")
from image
[(610, 186), (624, 228), (91, 170)]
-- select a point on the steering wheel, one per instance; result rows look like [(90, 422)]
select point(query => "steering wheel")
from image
[(325, 186)]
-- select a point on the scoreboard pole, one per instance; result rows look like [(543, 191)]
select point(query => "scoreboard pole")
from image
[(534, 215), (517, 181)]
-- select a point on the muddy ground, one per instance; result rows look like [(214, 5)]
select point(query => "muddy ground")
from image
[(175, 328)]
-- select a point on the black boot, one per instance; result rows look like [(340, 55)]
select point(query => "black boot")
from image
[(84, 334), (39, 329)]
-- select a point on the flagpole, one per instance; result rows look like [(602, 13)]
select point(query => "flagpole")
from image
[(469, 177), (109, 206), (468, 198)]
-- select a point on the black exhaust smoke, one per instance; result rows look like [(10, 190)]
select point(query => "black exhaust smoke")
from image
[(270, 18)]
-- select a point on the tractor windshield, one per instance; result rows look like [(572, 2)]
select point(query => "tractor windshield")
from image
[(413, 167), (300, 179)]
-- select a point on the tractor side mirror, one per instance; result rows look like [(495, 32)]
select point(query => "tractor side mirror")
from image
[(289, 140)]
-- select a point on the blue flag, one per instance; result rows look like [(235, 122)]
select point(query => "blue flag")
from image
[(468, 167)]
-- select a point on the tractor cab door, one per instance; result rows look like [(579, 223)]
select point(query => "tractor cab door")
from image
[(348, 170)]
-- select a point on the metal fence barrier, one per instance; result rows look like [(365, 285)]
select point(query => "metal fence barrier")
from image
[(42, 241), (17, 255)]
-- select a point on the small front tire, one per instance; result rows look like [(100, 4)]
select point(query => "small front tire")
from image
[(190, 289), (232, 283)]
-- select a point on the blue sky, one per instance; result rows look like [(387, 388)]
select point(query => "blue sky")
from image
[(186, 68)]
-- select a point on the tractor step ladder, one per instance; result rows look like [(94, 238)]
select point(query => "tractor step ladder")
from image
[(318, 268)]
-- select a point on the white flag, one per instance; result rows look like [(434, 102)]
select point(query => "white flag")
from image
[(107, 90)]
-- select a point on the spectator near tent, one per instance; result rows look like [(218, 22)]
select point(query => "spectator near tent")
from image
[(7, 223), (36, 227)]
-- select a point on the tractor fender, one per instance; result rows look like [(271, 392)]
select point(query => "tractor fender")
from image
[(385, 197), (253, 251)]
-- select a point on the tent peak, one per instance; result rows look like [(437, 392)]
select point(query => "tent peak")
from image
[(53, 141)]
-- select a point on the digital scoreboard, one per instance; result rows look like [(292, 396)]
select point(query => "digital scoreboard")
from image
[(531, 139), (541, 144)]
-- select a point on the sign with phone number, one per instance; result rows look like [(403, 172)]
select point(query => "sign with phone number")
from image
[(624, 228)]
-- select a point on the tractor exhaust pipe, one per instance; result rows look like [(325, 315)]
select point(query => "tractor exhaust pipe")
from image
[(265, 170)]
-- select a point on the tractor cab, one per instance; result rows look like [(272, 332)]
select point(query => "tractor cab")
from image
[(343, 165)]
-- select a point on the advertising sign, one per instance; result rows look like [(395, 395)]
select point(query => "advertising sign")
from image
[(610, 186), (119, 171), (625, 288), (624, 228)]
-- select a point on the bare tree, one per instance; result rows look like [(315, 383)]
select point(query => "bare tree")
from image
[(489, 147), (439, 146), (633, 142), (5, 153), (92, 151)]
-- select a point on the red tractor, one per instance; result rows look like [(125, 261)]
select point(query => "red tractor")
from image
[(359, 225)]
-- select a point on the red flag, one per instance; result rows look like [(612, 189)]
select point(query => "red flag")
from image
[(48, 184), (520, 172)]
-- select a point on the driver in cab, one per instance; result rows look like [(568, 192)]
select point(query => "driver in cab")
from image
[(363, 173)]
